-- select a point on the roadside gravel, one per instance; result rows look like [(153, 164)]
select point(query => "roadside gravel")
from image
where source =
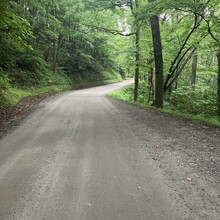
[(11, 116), (186, 153)]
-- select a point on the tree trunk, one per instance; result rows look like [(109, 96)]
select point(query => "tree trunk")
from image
[(193, 76), (136, 80), (54, 55), (150, 85), (55, 42), (158, 57), (137, 58), (46, 54), (218, 92), (57, 46), (194, 69)]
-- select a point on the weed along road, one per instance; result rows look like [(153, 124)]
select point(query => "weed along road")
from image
[(79, 156)]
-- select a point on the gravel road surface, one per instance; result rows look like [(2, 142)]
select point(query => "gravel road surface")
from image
[(84, 156)]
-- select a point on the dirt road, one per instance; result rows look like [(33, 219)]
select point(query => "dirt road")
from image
[(84, 156)]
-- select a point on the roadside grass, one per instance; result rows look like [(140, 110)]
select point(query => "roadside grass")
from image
[(86, 84), (126, 95), (12, 96), (91, 80), (14, 88)]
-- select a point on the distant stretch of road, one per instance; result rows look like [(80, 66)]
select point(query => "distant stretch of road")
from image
[(74, 159)]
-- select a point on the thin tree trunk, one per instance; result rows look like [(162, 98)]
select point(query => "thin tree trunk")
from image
[(136, 81), (54, 55), (193, 76), (194, 69), (179, 71), (155, 28), (46, 54), (57, 46), (150, 85), (137, 58), (54, 46), (176, 62), (218, 91)]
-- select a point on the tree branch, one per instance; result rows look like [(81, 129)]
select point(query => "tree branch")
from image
[(180, 69), (169, 76), (203, 17), (120, 4), (209, 28), (111, 31), (173, 67)]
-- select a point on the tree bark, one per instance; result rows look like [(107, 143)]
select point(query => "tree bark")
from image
[(56, 48), (136, 80), (193, 76), (158, 57), (54, 55), (150, 85), (137, 58), (194, 69), (218, 83)]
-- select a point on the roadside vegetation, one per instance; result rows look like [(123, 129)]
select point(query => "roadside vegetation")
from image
[(48, 46), (127, 95)]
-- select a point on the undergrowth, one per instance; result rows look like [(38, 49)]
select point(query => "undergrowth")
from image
[(127, 95), (91, 79), (18, 84), (11, 95)]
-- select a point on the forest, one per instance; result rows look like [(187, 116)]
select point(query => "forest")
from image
[(171, 48)]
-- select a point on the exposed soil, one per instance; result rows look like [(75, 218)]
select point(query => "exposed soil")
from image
[(11, 116)]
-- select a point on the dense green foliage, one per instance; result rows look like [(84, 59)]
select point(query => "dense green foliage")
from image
[(51, 46), (127, 95), (191, 40)]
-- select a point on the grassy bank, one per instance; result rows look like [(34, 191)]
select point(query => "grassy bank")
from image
[(91, 80), (126, 95), (14, 87)]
